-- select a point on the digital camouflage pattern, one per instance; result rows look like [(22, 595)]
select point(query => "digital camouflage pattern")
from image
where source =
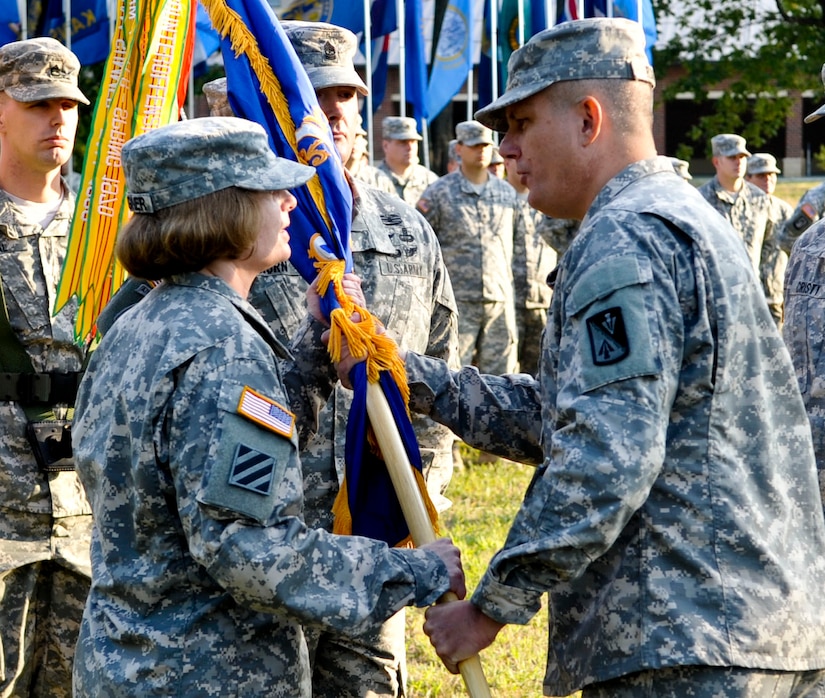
[(748, 211), (677, 455), (728, 145), (400, 128), (222, 152), (809, 209), (598, 48), (45, 520), (533, 260), (476, 232), (558, 232), (473, 133), (762, 163), (411, 186), (407, 287), (326, 51), (40, 68), (804, 328), (374, 177), (774, 260), (208, 594)]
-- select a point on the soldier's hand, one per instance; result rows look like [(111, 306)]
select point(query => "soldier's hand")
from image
[(451, 556)]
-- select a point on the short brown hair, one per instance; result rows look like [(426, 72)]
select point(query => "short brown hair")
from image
[(190, 235)]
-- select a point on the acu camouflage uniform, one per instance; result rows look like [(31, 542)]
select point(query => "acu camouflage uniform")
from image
[(774, 260), (809, 210), (558, 232), (677, 458), (412, 186), (45, 519), (205, 571), (407, 288), (476, 232), (374, 177), (533, 260)]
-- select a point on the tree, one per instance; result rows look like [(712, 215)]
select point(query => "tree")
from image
[(757, 53)]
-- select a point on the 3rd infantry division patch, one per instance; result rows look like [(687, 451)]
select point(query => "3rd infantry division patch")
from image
[(608, 337)]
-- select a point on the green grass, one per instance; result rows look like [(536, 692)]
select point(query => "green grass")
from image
[(485, 499), (793, 190)]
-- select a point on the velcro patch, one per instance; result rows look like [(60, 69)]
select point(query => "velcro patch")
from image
[(608, 337), (268, 413), (252, 470)]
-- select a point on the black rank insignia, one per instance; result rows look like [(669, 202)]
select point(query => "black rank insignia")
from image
[(608, 337)]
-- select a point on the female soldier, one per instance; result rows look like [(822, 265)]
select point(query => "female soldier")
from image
[(203, 571)]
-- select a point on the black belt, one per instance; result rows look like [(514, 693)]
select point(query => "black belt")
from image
[(40, 388)]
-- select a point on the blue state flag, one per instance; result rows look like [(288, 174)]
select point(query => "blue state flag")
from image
[(453, 56), (9, 22), (349, 14), (89, 24), (267, 84), (416, 66)]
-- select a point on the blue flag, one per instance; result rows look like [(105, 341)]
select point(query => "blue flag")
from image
[(89, 24), (416, 66), (9, 22), (267, 84), (630, 10), (453, 57), (348, 14), (207, 40)]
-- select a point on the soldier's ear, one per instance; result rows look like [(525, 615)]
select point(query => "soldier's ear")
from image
[(591, 116)]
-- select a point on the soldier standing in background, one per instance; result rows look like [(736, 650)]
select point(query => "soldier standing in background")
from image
[(474, 215), (400, 163), (45, 518), (533, 261), (762, 172)]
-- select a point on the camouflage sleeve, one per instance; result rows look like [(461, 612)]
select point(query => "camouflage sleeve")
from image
[(499, 414), (807, 212), (248, 533), (520, 283)]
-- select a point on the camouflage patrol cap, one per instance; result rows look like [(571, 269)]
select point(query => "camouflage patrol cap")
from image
[(586, 49), (819, 113), (762, 163), (452, 154), (728, 145), (681, 168), (217, 98), (496, 158), (37, 69), (473, 133), (400, 128), (326, 52), (189, 159)]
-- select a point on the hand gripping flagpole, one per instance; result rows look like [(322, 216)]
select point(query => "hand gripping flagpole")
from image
[(415, 512)]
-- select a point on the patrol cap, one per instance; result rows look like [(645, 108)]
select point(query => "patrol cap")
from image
[(326, 52), (400, 128), (473, 133), (762, 163), (40, 68), (728, 145), (682, 168), (189, 159), (595, 48), (217, 98), (496, 158), (819, 113), (451, 151)]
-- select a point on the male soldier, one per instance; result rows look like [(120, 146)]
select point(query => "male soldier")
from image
[(474, 215), (533, 260), (762, 172), (804, 328), (400, 144), (45, 521), (744, 205), (407, 287), (676, 521)]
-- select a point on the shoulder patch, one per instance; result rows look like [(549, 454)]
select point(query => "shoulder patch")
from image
[(423, 205), (268, 413), (608, 337), (252, 470)]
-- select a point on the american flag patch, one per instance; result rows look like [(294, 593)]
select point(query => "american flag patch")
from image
[(266, 412)]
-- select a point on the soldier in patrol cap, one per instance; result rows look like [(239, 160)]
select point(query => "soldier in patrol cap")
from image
[(496, 166), (407, 287), (746, 207), (762, 172), (186, 427), (400, 144), (675, 519), (45, 521)]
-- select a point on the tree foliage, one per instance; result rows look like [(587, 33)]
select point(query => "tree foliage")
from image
[(755, 53)]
